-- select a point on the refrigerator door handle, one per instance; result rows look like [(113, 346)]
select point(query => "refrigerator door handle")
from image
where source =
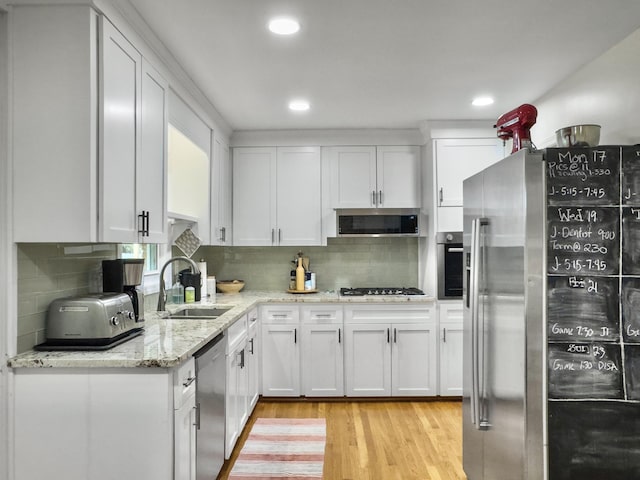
[(476, 332)]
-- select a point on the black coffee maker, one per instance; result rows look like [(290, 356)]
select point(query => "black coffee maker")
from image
[(189, 279), (125, 275)]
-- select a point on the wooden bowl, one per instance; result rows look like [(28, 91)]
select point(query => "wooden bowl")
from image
[(230, 286)]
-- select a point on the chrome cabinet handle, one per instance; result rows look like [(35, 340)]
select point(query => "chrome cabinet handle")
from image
[(279, 235), (223, 234), (373, 198), (441, 196), (197, 409), (339, 335), (388, 335), (251, 351), (395, 335), (295, 335), (444, 335), (189, 381), (380, 198)]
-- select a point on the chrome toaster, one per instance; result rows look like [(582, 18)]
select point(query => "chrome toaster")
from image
[(94, 321)]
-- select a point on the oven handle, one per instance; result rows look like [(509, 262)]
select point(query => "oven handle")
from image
[(455, 250)]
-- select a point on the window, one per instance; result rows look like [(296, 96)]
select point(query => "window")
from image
[(147, 251)]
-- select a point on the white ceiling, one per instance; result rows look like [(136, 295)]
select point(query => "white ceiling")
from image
[(382, 63)]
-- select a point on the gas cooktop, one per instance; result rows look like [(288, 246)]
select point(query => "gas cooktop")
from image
[(358, 292)]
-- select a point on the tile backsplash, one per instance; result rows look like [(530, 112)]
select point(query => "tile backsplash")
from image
[(48, 271), (344, 262)]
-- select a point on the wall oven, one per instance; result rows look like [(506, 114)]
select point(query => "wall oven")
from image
[(449, 265)]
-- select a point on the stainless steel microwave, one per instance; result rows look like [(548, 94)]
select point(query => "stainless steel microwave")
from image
[(377, 222)]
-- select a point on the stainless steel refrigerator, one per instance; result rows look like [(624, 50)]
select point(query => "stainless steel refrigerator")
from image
[(552, 316), (503, 331)]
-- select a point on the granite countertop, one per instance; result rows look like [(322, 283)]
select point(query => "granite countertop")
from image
[(167, 343)]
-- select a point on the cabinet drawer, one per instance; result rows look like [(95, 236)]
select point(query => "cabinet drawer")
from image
[(321, 314), (280, 314), (376, 313), (236, 333), (184, 383)]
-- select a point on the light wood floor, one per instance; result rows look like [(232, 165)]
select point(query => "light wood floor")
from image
[(378, 440)]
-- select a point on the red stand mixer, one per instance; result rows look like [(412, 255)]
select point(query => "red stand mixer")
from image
[(516, 124)]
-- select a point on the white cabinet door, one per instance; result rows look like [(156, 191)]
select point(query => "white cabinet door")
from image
[(298, 199), (151, 167), (254, 171), (458, 159), (280, 360), (54, 123), (399, 184), (233, 402), (221, 194), (353, 176), (414, 359), (185, 441), (322, 350), (368, 360), (322, 360), (119, 121), (451, 359), (252, 359), (451, 350)]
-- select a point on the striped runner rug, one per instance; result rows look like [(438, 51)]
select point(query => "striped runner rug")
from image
[(291, 448)]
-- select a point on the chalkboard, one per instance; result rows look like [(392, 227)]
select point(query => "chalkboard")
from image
[(583, 309), (631, 240), (583, 176), (594, 440), (583, 370), (632, 371), (631, 177), (631, 310), (583, 240)]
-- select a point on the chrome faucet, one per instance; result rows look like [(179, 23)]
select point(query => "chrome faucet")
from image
[(162, 295)]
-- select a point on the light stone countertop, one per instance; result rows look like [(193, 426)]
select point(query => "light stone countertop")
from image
[(167, 343)]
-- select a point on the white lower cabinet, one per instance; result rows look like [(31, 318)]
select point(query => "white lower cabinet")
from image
[(322, 351), (451, 351), (280, 350), (104, 423), (390, 351), (237, 386)]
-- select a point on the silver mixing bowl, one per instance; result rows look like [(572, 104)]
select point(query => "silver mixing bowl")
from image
[(578, 136)]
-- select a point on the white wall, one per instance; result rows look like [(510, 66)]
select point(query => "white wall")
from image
[(605, 92)]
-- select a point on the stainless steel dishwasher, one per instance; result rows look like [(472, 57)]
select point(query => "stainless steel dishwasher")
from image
[(210, 395)]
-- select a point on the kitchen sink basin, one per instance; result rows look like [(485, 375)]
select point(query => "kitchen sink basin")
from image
[(199, 312)]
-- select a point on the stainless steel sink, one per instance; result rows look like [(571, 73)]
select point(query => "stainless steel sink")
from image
[(199, 312)]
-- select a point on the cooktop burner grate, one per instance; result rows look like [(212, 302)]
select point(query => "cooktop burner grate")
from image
[(358, 292)]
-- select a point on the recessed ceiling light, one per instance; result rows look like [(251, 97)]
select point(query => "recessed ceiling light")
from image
[(482, 101), (299, 105), (284, 25)]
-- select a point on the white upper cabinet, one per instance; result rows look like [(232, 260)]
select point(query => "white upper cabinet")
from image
[(84, 131), (398, 177), (375, 177), (221, 196), (276, 196), (458, 159), (151, 177)]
